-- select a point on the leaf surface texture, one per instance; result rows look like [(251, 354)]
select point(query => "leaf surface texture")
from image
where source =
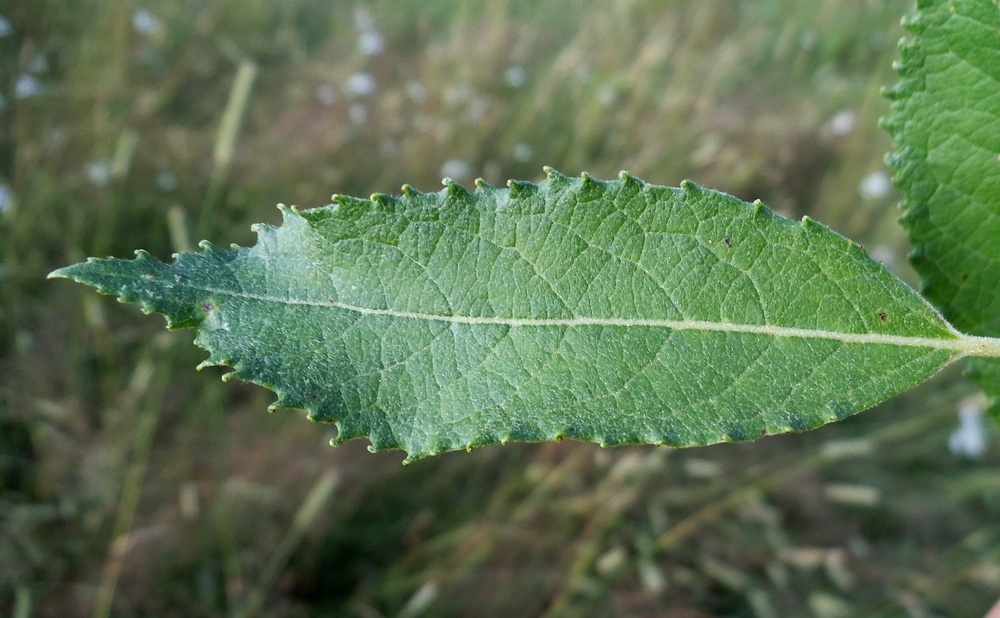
[(946, 126), (615, 312)]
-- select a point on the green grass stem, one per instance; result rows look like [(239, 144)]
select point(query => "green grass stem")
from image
[(308, 511), (225, 144)]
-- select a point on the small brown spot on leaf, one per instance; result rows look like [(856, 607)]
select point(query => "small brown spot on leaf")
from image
[(726, 240), (965, 277), (882, 315), (207, 308)]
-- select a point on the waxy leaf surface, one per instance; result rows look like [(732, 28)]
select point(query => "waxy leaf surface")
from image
[(946, 126), (616, 312)]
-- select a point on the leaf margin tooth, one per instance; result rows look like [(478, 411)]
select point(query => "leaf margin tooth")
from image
[(554, 178), (382, 199), (519, 189), (629, 180), (455, 190)]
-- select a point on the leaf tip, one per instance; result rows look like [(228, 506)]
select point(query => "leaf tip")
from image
[(483, 185), (60, 273)]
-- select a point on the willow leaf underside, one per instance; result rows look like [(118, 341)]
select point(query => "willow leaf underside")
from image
[(616, 312)]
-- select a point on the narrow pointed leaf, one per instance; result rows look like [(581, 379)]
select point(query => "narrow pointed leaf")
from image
[(616, 312), (946, 126)]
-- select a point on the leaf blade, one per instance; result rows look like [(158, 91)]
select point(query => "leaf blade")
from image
[(945, 124), (616, 312)]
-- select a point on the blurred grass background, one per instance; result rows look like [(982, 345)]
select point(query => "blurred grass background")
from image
[(131, 485)]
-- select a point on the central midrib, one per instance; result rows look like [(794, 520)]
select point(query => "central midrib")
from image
[(961, 344)]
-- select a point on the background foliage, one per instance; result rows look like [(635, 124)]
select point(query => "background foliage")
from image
[(110, 139)]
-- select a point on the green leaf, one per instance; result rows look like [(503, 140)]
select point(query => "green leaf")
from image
[(946, 126), (616, 312)]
